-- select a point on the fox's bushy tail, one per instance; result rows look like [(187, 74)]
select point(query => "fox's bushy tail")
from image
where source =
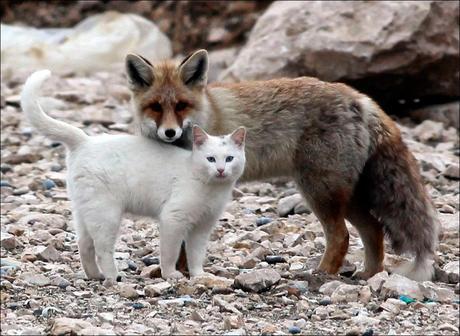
[(57, 130), (398, 199)]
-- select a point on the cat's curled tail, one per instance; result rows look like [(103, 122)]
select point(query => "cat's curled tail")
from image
[(57, 130)]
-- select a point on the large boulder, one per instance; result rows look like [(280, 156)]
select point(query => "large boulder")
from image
[(390, 50)]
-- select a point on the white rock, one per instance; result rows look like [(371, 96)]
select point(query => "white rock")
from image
[(376, 281), (400, 285)]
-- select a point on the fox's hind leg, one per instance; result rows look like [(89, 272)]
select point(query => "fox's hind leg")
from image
[(371, 232), (329, 205), (336, 234)]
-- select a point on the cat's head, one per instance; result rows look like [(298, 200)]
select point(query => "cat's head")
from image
[(219, 158)]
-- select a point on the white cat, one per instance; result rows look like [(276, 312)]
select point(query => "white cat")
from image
[(109, 175)]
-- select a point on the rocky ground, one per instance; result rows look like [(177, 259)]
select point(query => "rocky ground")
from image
[(261, 254)]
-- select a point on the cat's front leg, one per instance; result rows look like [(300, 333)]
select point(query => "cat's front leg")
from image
[(172, 233), (196, 243)]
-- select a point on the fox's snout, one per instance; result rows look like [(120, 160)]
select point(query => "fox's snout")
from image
[(169, 134)]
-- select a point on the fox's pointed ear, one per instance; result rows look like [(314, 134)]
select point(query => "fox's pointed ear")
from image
[(238, 136), (199, 136), (139, 71), (194, 69)]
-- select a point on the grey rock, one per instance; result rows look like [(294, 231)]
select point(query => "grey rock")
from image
[(258, 280), (157, 289), (35, 279), (287, 205), (336, 42)]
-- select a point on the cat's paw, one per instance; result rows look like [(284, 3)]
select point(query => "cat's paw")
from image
[(202, 274), (108, 283), (175, 275)]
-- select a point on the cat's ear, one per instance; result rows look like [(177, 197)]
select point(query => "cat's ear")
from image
[(194, 69), (238, 136), (139, 71), (199, 136)]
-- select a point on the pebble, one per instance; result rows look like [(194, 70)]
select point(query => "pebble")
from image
[(42, 274), (294, 330), (262, 221), (157, 289), (4, 183), (273, 259), (149, 260), (127, 291), (35, 279), (399, 285), (48, 184), (258, 280)]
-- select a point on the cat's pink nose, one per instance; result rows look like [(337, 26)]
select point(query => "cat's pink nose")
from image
[(220, 170)]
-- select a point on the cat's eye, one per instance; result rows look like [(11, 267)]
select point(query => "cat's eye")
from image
[(156, 106), (180, 106), (211, 159), (229, 159)]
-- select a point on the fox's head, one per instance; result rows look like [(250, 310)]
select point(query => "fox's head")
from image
[(167, 96)]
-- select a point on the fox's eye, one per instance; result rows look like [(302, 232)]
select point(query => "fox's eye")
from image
[(229, 159), (211, 159), (180, 106), (156, 106)]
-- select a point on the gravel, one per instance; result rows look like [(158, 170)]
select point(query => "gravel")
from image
[(260, 258)]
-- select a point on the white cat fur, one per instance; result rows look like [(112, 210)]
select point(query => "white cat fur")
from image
[(109, 175)]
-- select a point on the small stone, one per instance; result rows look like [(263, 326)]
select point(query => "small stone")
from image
[(48, 184), (21, 191), (258, 280), (376, 281), (60, 282), (368, 332), (149, 260), (298, 288), (15, 230), (68, 326), (153, 271), (211, 281), (9, 242), (286, 205), (325, 302), (127, 291), (233, 322), (196, 316), (132, 265), (262, 221), (224, 305), (294, 330), (138, 305), (157, 289), (345, 293), (48, 220), (329, 287), (448, 327), (452, 270), (452, 172), (399, 285), (4, 183), (273, 259), (35, 279), (49, 253)]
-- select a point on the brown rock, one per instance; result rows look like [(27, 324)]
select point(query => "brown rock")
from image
[(347, 41)]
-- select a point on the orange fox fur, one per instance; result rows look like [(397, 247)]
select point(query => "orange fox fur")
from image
[(345, 154)]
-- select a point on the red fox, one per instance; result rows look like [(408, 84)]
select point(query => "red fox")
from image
[(345, 154)]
